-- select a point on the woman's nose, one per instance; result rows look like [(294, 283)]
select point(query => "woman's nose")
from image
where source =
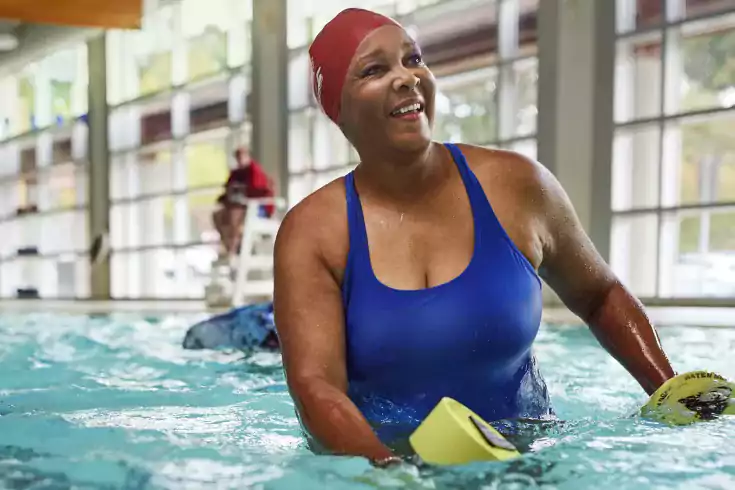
[(406, 80)]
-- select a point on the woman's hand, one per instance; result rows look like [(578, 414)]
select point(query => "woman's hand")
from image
[(309, 319)]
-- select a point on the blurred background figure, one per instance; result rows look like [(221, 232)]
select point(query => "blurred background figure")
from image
[(247, 181)]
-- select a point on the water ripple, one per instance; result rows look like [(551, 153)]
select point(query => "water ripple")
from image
[(112, 401)]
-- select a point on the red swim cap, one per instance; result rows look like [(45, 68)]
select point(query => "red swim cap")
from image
[(332, 51)]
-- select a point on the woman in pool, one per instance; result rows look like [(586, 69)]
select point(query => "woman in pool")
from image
[(417, 276)]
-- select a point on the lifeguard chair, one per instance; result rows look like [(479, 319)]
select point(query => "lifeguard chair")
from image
[(250, 277)]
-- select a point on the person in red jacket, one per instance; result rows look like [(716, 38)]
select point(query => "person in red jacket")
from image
[(247, 181)]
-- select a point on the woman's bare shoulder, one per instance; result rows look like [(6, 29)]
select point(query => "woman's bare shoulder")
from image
[(484, 159), (318, 225), (508, 168)]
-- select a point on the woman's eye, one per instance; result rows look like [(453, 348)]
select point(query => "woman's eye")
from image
[(370, 71), (416, 60)]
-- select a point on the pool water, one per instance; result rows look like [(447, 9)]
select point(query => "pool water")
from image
[(112, 401)]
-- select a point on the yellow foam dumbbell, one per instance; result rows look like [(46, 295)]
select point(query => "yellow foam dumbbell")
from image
[(691, 397), (452, 434)]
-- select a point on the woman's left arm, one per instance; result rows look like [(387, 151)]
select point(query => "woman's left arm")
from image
[(574, 269)]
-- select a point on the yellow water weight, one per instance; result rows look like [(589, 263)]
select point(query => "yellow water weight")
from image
[(691, 397), (452, 434)]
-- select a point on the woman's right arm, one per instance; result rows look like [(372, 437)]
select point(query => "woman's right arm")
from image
[(310, 323)]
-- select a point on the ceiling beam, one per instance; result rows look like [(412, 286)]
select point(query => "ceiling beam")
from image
[(121, 14)]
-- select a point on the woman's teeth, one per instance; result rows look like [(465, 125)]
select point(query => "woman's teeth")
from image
[(405, 110)]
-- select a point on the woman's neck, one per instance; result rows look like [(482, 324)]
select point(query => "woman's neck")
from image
[(402, 176)]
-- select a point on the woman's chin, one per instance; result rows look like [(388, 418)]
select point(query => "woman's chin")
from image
[(410, 143)]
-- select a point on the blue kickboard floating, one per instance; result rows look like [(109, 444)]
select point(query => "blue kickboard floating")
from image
[(244, 328)]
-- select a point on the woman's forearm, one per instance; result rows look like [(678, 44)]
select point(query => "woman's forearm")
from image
[(335, 422), (623, 329)]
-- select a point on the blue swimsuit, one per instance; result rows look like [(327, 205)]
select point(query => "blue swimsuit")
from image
[(469, 339)]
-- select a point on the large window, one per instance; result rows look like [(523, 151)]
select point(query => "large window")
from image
[(491, 99), (674, 154), (172, 136), (43, 178)]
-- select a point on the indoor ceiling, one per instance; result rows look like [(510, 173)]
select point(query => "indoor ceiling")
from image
[(124, 14), (28, 29)]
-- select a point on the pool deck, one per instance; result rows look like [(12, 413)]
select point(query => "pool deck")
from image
[(660, 315)]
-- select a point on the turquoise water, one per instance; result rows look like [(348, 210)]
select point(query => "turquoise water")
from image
[(114, 402)]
